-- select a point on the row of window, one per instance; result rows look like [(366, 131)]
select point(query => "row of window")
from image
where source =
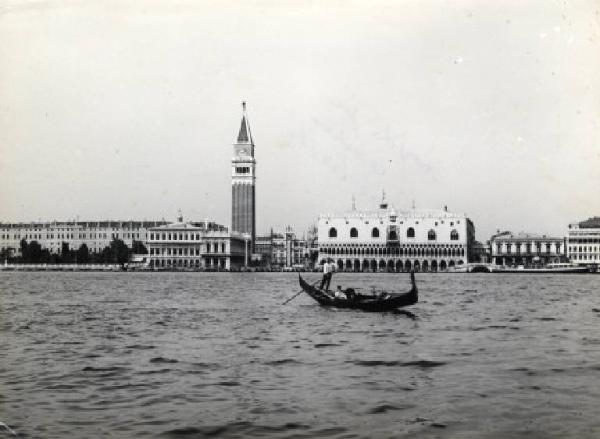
[(427, 251), (528, 247), (582, 249), (181, 236), (72, 236), (242, 170), (182, 251), (587, 257), (175, 251), (79, 229), (393, 220), (403, 245), (393, 236), (584, 240), (190, 263)]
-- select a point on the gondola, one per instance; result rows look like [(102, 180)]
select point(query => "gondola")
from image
[(374, 303)]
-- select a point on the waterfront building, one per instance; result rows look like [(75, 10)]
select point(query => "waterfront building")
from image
[(525, 249), (583, 242), (481, 252), (51, 235), (195, 246), (279, 250), (292, 250), (243, 182), (263, 250), (389, 240)]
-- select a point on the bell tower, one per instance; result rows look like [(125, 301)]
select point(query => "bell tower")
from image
[(243, 182)]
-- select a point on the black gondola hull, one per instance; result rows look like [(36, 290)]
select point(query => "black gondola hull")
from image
[(390, 302)]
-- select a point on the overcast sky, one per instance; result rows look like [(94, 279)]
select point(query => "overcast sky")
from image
[(128, 110)]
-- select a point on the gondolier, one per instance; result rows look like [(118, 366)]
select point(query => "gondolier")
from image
[(328, 269)]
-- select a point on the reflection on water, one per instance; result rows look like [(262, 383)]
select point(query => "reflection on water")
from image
[(215, 354)]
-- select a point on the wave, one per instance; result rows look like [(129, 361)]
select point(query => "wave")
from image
[(424, 364), (282, 361), (245, 429), (140, 346), (163, 360), (103, 369), (152, 372)]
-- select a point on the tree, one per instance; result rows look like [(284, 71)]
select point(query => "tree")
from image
[(83, 254), (4, 255), (119, 251), (34, 252), (105, 256), (138, 248), (46, 257), (65, 253), (24, 251)]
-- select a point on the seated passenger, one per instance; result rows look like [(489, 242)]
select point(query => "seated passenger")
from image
[(339, 294)]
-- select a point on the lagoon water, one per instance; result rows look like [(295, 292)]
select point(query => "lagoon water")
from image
[(191, 355)]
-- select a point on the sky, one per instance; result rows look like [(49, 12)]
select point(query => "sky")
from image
[(128, 110)]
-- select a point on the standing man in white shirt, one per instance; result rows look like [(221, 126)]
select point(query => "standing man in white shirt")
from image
[(328, 269)]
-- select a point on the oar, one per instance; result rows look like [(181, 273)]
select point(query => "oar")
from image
[(298, 293)]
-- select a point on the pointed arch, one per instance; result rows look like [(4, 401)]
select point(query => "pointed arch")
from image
[(399, 266)]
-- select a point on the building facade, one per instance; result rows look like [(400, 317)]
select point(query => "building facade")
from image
[(283, 250), (525, 249), (583, 242), (481, 252), (243, 182), (393, 241), (96, 235), (195, 246)]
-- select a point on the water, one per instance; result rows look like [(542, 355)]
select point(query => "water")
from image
[(215, 354)]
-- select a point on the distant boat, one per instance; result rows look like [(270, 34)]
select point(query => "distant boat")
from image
[(555, 268), (375, 303)]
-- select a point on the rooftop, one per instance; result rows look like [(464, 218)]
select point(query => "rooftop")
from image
[(591, 223), (391, 211), (521, 236), (192, 226)]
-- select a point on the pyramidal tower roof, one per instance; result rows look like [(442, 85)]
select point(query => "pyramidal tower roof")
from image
[(244, 136)]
